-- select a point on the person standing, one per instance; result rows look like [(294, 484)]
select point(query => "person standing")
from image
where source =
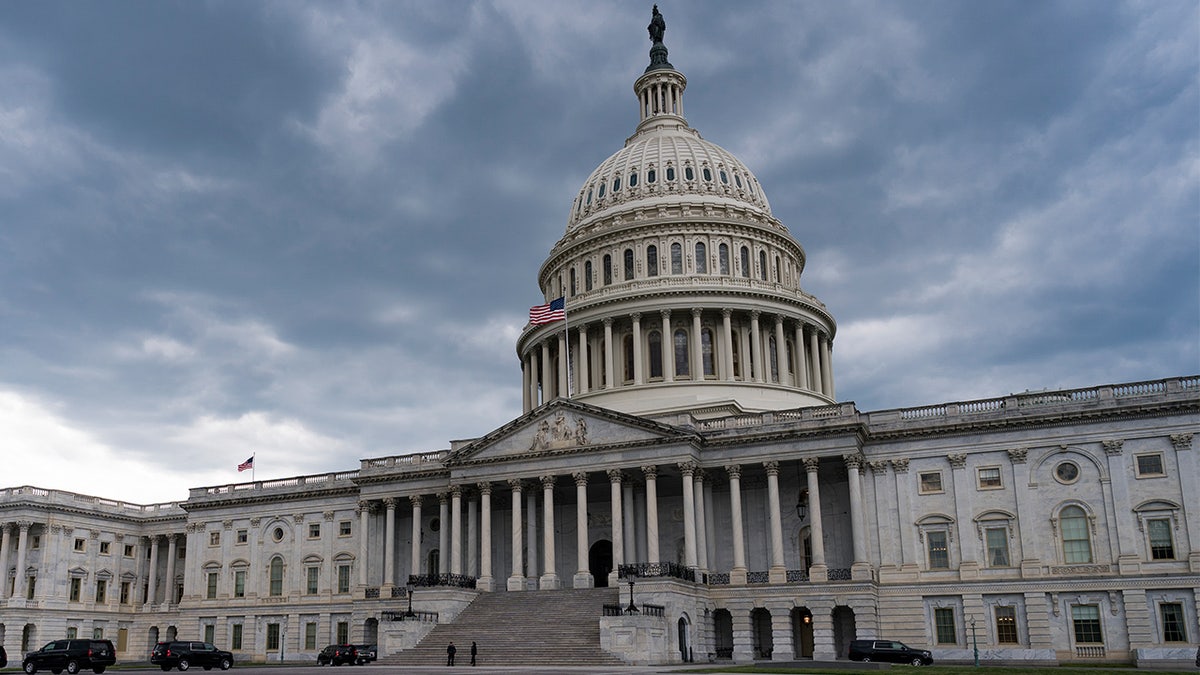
[(474, 649), (450, 654)]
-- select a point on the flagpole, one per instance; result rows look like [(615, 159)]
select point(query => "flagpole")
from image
[(567, 342), (253, 466)]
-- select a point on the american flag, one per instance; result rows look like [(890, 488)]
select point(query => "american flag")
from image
[(246, 465), (555, 310)]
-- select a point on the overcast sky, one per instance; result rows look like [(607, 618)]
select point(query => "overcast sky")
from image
[(311, 232)]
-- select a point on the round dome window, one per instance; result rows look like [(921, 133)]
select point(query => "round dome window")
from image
[(277, 534), (1066, 472)]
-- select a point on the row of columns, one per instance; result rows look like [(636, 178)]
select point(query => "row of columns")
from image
[(813, 357), (699, 534)]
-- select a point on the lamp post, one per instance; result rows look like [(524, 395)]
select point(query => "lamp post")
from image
[(632, 608), (974, 642), (409, 614)]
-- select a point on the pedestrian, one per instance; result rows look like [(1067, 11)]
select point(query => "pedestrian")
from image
[(474, 649), (450, 654)]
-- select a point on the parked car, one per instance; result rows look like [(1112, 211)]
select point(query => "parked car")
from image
[(3, 657), (366, 654), (71, 656), (336, 655), (184, 655), (888, 651)]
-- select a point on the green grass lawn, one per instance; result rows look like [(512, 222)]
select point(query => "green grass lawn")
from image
[(965, 669)]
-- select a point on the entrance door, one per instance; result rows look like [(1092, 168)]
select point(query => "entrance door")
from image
[(802, 632), (600, 562), (684, 651)]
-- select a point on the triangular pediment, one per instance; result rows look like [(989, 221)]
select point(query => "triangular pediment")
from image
[(567, 427)]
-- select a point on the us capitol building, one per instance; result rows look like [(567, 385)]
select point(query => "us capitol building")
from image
[(682, 471)]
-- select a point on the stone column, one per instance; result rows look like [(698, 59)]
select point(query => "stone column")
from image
[(639, 376), (710, 523), (756, 357), (668, 347), (526, 371), (651, 474), (364, 512), (455, 529), (545, 376), (964, 491), (581, 368), (780, 351), (904, 491), (532, 369), (887, 524), (608, 353), (618, 531), (172, 555), (817, 571), (152, 589), (21, 582), (415, 562), (860, 570), (822, 615), (688, 469), (443, 533), (564, 386), (727, 344), (778, 571), (549, 578), (583, 577), (801, 362), (630, 515), (701, 527), (737, 575), (472, 569), (485, 581), (814, 347), (697, 355), (827, 367), (516, 579), (389, 542), (1127, 538), (782, 645), (531, 538), (5, 547), (743, 631), (1189, 475)]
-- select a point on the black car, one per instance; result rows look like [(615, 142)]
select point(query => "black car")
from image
[(888, 651), (3, 657), (184, 655), (71, 656), (366, 654), (336, 655)]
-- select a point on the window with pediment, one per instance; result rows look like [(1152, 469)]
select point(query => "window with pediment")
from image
[(1158, 519), (936, 532)]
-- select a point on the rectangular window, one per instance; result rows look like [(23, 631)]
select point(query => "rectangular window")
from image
[(343, 632), (344, 528), (343, 579), (97, 633), (75, 585), (1174, 629), (1006, 625), (311, 578), (239, 584), (997, 546), (931, 482), (128, 550), (101, 590), (989, 477), (273, 637), (105, 547), (30, 586), (235, 639), (1086, 622), (124, 592), (210, 633), (211, 589), (314, 530), (35, 542), (1150, 465), (242, 536), (310, 635), (939, 551), (1161, 545), (80, 544), (943, 623), (72, 633), (214, 538)]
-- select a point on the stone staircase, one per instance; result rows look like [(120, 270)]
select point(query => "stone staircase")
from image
[(545, 628)]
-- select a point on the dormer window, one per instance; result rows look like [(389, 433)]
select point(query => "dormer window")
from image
[(707, 175), (633, 179), (651, 176), (688, 174), (670, 173)]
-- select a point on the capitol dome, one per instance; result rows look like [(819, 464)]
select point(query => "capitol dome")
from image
[(681, 289)]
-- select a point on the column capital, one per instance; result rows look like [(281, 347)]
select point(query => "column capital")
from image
[(734, 471), (811, 464), (687, 468), (1018, 455), (665, 314), (390, 502), (581, 478), (636, 316), (755, 313), (772, 467), (1181, 442), (516, 484), (1113, 448), (456, 491), (416, 500), (650, 472), (958, 460), (607, 321), (615, 475), (696, 311), (443, 497), (726, 312), (548, 482), (878, 466), (699, 475), (900, 465), (484, 487), (361, 506)]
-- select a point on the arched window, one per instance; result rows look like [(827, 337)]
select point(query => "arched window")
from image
[(633, 179), (762, 265), (706, 352), (670, 173), (276, 585), (600, 192), (587, 275), (723, 259), (676, 258), (681, 353), (1077, 544), (778, 277), (607, 269), (651, 176), (651, 260), (701, 258), (433, 562), (654, 343), (572, 281), (627, 348), (616, 184), (734, 348), (791, 358), (745, 260), (773, 355), (628, 264), (688, 174)]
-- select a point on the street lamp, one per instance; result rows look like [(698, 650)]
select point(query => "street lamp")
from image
[(409, 614), (974, 642), (632, 608)]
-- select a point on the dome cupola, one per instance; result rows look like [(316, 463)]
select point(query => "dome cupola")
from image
[(682, 290)]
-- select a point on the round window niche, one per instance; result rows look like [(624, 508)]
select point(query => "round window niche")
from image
[(435, 525), (1066, 472), (277, 534)]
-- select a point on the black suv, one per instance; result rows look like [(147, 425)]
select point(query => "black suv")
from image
[(71, 656), (184, 655), (336, 655), (366, 654), (888, 651)]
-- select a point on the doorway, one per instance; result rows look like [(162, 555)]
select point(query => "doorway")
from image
[(600, 562), (802, 632)]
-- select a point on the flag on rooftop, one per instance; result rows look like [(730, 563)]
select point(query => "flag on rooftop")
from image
[(555, 310), (246, 465)]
